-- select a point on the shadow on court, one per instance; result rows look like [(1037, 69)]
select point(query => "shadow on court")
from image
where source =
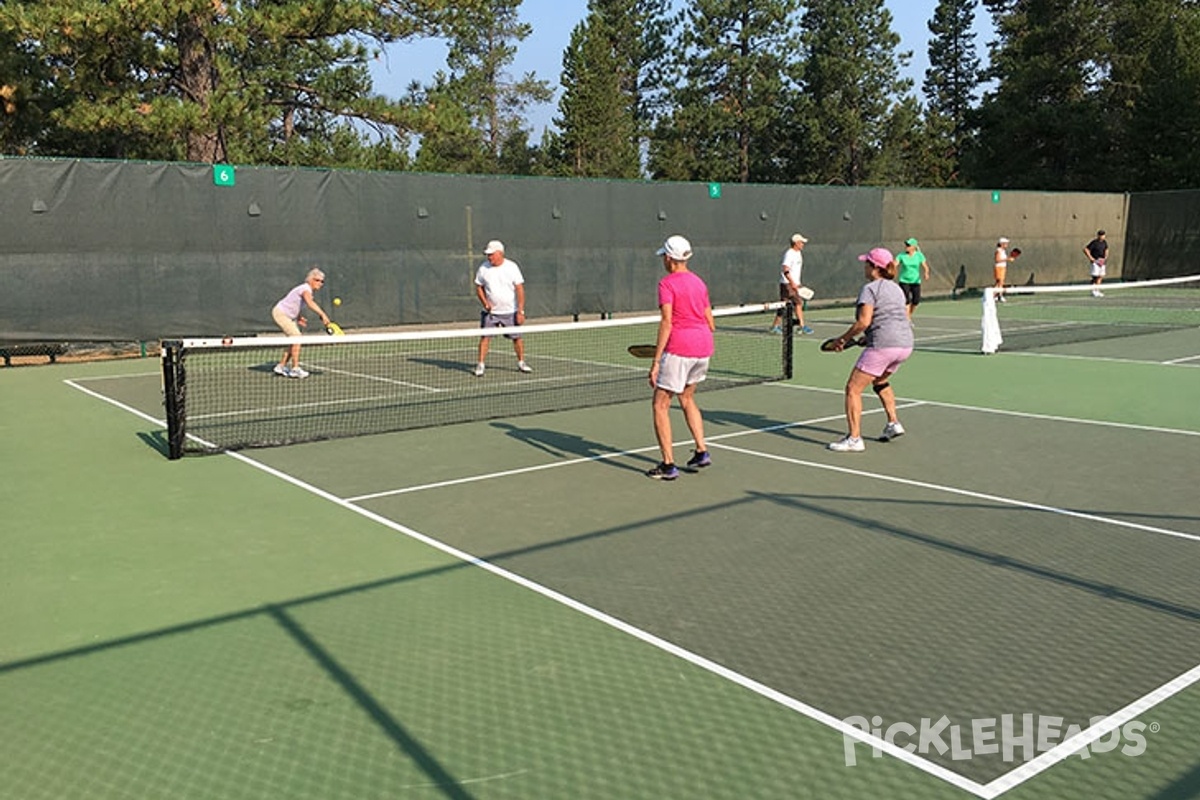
[(810, 504), (444, 364), (446, 784), (559, 444), (760, 423), (1186, 788)]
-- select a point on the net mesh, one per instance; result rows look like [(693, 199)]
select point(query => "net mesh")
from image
[(223, 394), (1032, 317)]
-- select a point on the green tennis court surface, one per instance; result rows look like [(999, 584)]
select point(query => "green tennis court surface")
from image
[(508, 608)]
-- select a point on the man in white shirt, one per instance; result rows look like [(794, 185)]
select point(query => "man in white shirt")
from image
[(500, 287), (789, 283)]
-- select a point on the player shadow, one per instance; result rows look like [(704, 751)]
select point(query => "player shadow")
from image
[(445, 364), (791, 431), (568, 445), (960, 282)]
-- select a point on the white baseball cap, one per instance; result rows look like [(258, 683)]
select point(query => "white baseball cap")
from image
[(798, 237), (494, 246), (1003, 240), (676, 247)]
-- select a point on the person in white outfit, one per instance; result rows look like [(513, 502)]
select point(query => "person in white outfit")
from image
[(789, 283), (500, 288)]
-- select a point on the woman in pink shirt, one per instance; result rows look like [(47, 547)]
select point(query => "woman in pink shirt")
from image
[(685, 343)]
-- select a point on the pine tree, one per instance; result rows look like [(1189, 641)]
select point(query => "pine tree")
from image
[(1044, 125), (479, 120), (26, 95), (950, 87), (1153, 95), (207, 81), (598, 133), (855, 116), (735, 66), (609, 88)]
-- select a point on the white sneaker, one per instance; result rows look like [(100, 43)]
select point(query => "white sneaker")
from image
[(851, 444), (1097, 293), (478, 370), (280, 369), (891, 431), (297, 372), (523, 367)]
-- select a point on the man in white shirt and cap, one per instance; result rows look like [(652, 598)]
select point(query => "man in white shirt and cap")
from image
[(789, 283), (500, 288)]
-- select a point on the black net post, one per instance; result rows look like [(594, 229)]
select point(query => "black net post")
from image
[(174, 395), (789, 328)]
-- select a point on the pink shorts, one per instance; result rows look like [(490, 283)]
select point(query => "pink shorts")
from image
[(876, 361)]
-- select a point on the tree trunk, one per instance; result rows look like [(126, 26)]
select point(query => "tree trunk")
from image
[(198, 81)]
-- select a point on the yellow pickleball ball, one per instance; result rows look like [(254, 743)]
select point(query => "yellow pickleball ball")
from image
[(337, 301)]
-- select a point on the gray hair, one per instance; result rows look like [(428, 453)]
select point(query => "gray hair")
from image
[(314, 273)]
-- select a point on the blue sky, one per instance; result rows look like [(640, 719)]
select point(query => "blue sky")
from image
[(553, 21)]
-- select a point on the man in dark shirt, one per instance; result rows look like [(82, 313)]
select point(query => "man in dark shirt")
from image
[(1097, 252)]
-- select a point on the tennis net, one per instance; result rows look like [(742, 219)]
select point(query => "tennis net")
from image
[(1031, 317), (223, 393)]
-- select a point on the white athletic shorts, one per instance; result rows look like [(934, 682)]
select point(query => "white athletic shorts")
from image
[(676, 373)]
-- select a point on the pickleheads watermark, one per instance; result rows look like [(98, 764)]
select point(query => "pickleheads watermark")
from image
[(1012, 737)]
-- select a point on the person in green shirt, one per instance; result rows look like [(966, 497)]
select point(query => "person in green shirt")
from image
[(913, 268)]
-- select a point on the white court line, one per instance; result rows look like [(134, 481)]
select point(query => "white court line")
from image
[(1113, 359), (921, 336), (116, 377), (1137, 708), (713, 667), (1008, 412), (241, 412), (989, 791), (112, 402), (160, 423), (376, 378), (936, 487), (588, 363), (585, 459)]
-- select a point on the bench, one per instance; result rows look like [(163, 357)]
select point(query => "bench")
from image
[(50, 350)]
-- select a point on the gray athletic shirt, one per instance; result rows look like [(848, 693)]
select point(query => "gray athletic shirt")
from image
[(889, 324)]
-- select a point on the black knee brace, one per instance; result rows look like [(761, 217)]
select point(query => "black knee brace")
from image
[(879, 387)]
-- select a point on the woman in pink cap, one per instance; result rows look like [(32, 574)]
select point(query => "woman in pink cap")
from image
[(882, 315)]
